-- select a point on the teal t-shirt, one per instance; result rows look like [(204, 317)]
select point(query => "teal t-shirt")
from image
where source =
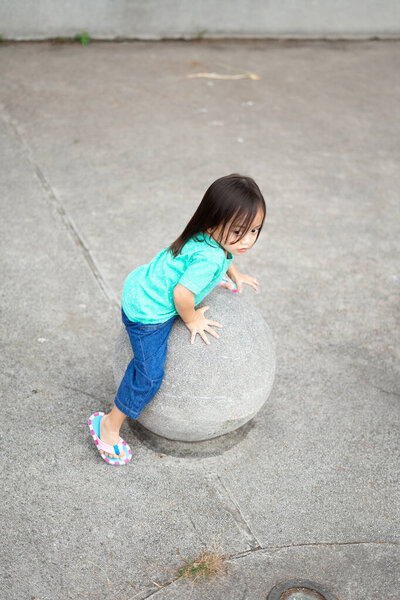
[(147, 296)]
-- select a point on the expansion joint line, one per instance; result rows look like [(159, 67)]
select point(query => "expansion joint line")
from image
[(65, 218), (309, 545), (231, 506)]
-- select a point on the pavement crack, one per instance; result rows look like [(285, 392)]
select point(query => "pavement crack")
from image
[(159, 589), (73, 389), (231, 506), (61, 210), (389, 392), (195, 528), (309, 545)]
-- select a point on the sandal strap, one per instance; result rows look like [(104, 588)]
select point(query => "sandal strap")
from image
[(116, 449)]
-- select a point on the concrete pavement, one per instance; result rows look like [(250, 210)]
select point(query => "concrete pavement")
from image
[(106, 151)]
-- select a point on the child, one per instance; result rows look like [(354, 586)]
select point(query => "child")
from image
[(226, 223)]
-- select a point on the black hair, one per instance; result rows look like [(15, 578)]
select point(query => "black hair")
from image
[(233, 198)]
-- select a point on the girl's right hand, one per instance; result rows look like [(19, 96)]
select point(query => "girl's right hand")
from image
[(200, 324)]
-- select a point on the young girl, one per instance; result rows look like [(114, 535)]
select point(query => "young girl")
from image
[(226, 223)]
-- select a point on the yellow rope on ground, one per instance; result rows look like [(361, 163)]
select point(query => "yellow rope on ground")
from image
[(219, 76)]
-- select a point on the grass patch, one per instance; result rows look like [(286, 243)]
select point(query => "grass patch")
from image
[(200, 34), (208, 565), (83, 38)]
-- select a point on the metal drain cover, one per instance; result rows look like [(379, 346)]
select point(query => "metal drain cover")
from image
[(298, 593), (299, 590)]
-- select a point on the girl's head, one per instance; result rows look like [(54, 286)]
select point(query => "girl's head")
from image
[(232, 212)]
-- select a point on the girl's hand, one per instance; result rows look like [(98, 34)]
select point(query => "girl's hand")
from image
[(200, 324), (227, 283), (240, 278)]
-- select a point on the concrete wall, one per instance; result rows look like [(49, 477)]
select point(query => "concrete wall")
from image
[(154, 19)]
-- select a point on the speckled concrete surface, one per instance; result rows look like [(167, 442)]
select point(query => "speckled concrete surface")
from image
[(106, 151)]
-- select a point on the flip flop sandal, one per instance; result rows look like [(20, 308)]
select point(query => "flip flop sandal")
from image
[(220, 284), (94, 426)]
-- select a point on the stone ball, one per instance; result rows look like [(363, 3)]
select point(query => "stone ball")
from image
[(209, 390)]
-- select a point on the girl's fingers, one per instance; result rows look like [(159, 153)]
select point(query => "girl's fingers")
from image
[(228, 286), (214, 323), (204, 337), (212, 332), (253, 283)]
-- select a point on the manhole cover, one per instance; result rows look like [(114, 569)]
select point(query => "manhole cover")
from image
[(299, 590), (297, 593)]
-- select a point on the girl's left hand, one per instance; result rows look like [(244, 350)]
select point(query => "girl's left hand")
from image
[(239, 279)]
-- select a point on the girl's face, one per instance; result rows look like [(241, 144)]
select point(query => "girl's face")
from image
[(235, 246)]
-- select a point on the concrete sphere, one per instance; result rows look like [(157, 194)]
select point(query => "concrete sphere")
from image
[(209, 390)]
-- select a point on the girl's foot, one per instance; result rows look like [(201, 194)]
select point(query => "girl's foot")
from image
[(109, 435)]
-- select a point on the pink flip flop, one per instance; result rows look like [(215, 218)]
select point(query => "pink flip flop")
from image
[(94, 426)]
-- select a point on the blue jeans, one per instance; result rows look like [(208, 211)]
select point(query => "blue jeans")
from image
[(145, 372)]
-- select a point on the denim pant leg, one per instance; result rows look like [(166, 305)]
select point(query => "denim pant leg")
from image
[(144, 374)]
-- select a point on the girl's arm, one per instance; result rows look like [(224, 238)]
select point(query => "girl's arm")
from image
[(194, 320), (184, 303), (232, 271), (240, 278)]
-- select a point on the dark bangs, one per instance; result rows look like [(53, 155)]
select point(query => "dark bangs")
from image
[(233, 198), (242, 221)]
